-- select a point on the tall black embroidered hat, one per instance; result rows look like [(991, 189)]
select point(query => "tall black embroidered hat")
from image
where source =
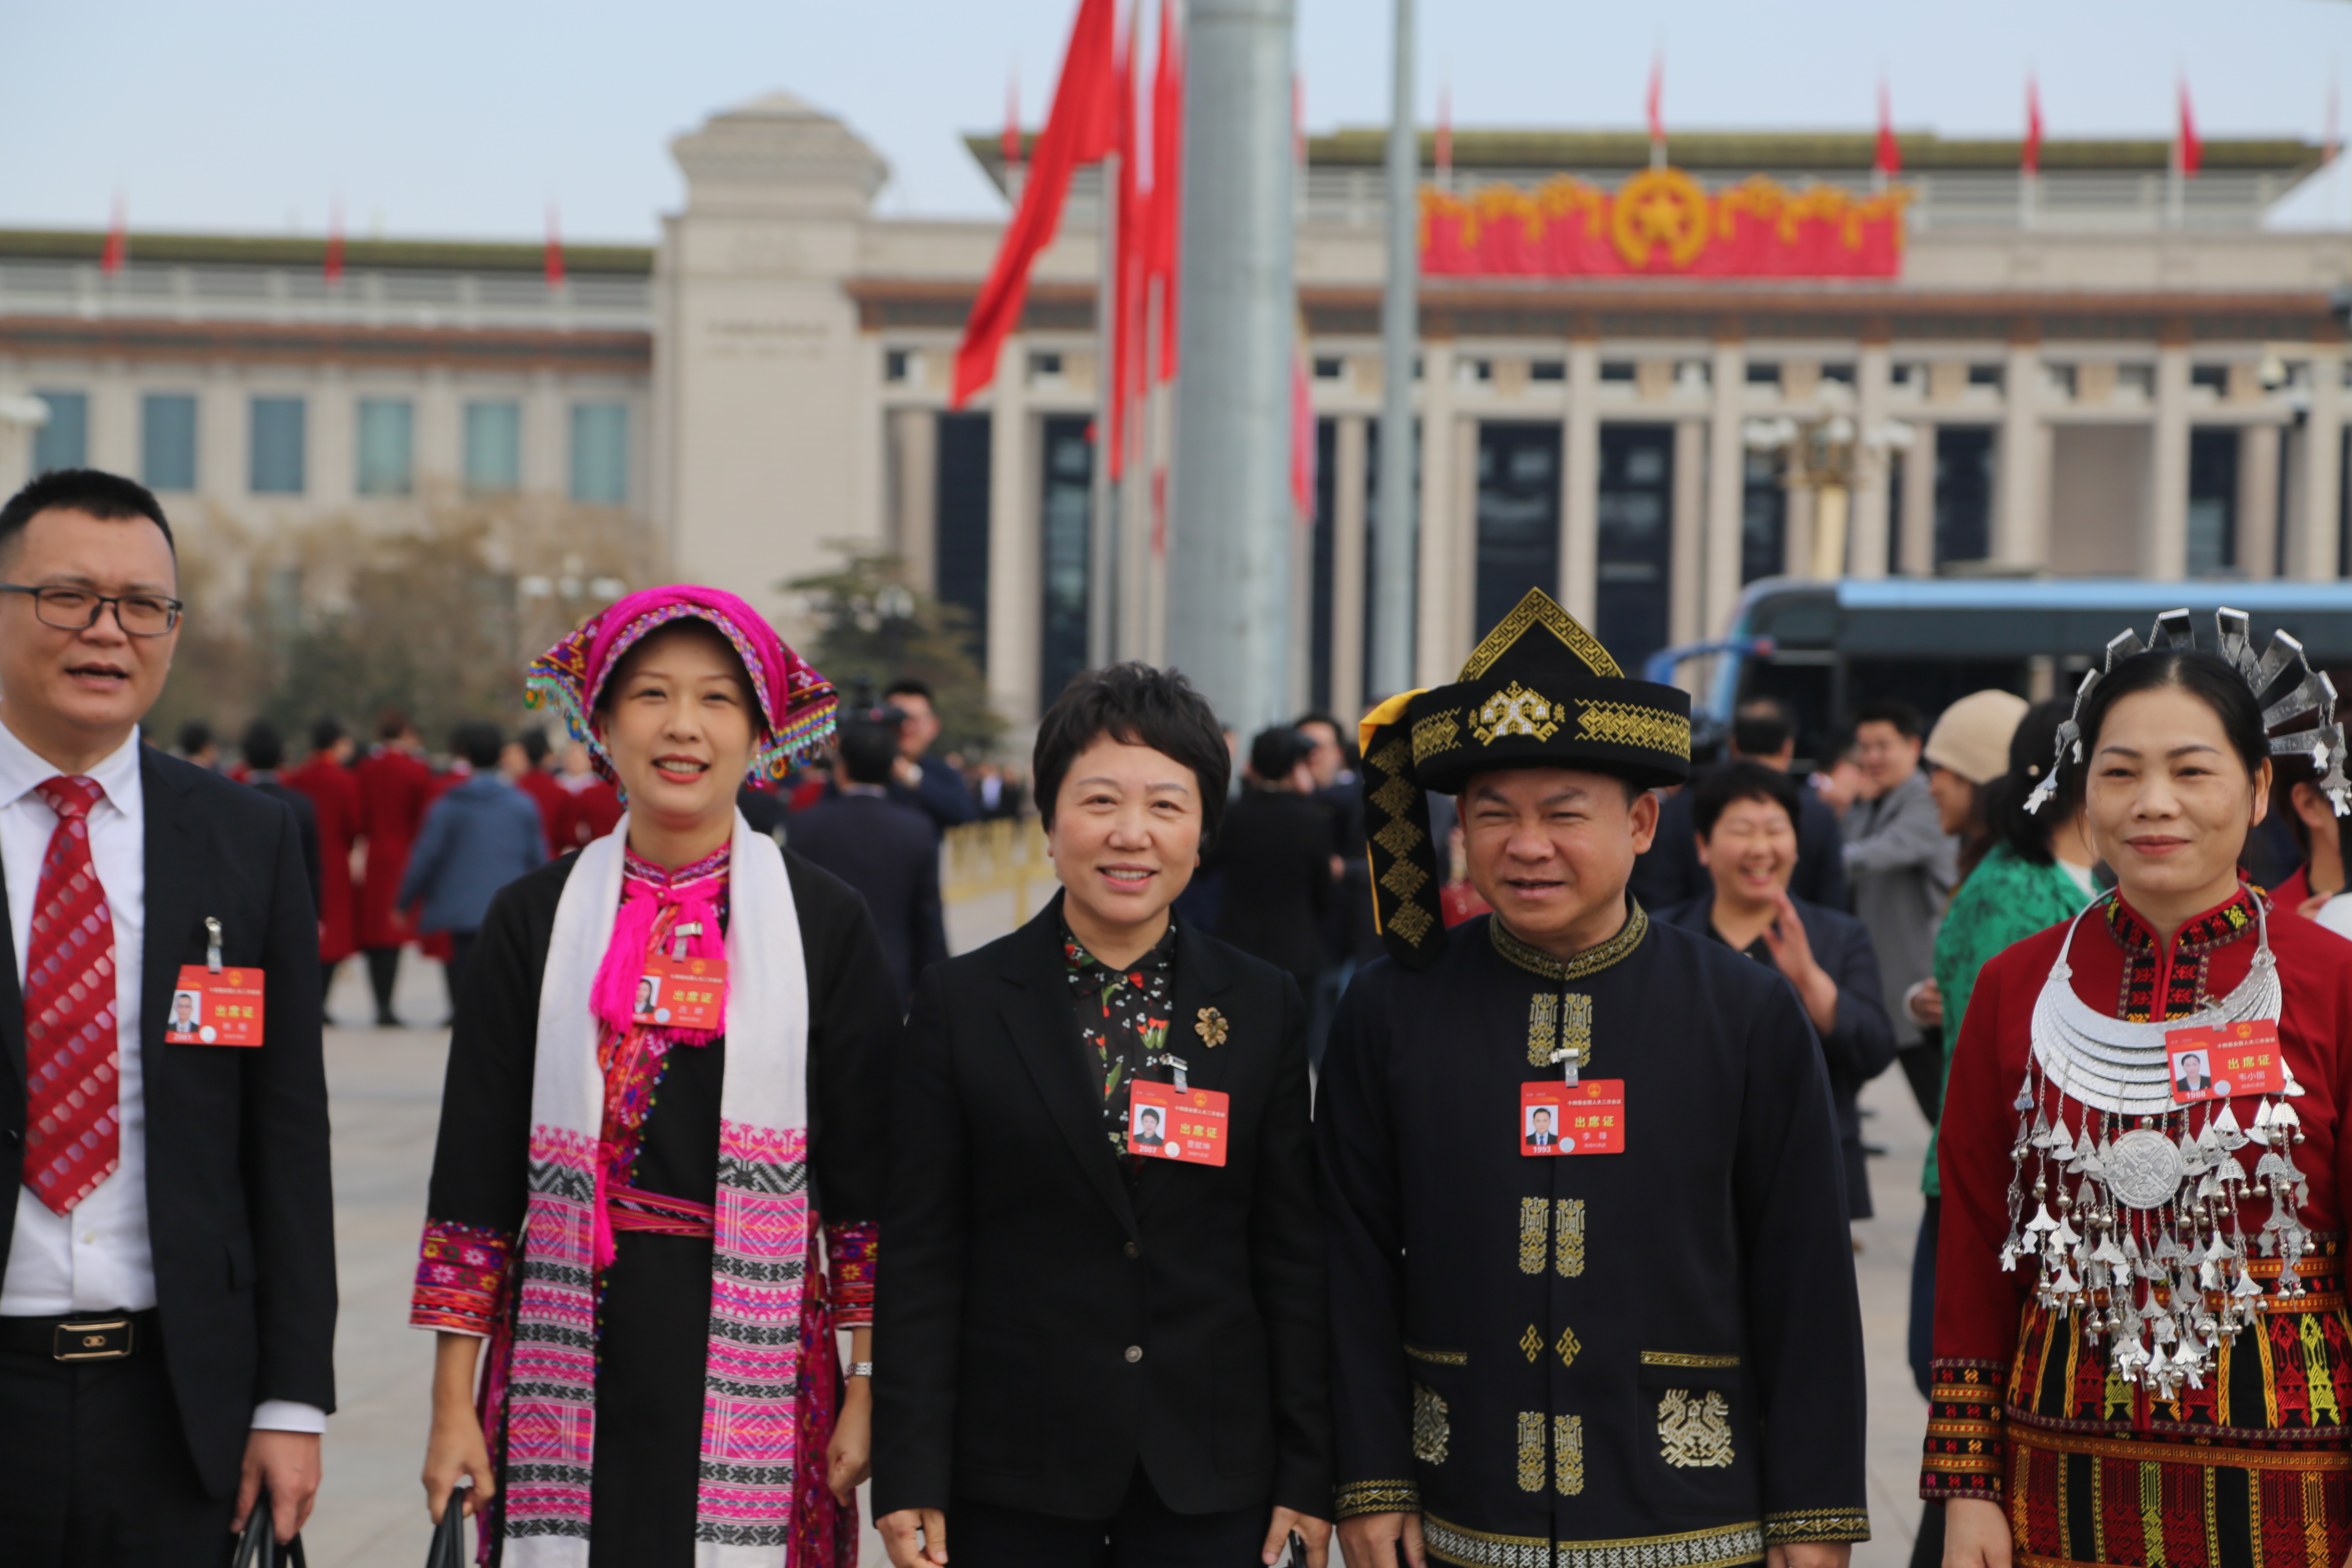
[(1539, 691)]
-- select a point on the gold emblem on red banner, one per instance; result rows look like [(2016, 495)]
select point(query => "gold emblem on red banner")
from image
[(1659, 207)]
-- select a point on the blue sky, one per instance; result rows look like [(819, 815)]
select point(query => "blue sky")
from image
[(436, 118)]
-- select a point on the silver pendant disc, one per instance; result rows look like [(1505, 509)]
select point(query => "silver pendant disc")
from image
[(2144, 1169)]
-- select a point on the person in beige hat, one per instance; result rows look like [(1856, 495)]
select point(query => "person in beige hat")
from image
[(1967, 750)]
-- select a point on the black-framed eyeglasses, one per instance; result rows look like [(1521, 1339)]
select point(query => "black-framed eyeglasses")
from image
[(78, 609)]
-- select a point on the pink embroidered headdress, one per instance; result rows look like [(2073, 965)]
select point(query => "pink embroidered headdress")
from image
[(796, 702)]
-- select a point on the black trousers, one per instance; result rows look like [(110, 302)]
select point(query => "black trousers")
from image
[(383, 969), (94, 1469), (1144, 1533)]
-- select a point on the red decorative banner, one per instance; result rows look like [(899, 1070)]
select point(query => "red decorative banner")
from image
[(1660, 222)]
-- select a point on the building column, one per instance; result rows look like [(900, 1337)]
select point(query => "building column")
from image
[(2258, 499), (1726, 477), (1580, 482), (2021, 513), (331, 435), (1350, 447), (114, 412), (1866, 549), (2312, 532), (1919, 504), (438, 460), (1797, 539), (1464, 485), (1434, 613), (1016, 567), (2164, 545), (546, 436), (1684, 564), (914, 446)]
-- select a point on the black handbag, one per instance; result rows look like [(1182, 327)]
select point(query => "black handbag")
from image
[(258, 1548), (449, 1547)]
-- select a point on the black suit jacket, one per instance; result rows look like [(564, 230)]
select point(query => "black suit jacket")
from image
[(1670, 874), (1275, 851), (889, 853), (1859, 1048), (239, 1211), (1042, 1321), (305, 822)]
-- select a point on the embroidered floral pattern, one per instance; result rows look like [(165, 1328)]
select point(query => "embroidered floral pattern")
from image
[(2184, 988), (850, 1250), (1123, 1017), (461, 1277)]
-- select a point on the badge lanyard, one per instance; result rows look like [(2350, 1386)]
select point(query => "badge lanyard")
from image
[(213, 1004), (1571, 1115)]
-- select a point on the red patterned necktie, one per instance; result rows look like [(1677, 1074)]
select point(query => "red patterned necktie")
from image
[(75, 1137)]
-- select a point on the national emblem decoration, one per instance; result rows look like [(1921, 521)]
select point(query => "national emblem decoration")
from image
[(1516, 710), (1694, 1433), (1211, 1027), (1659, 207)]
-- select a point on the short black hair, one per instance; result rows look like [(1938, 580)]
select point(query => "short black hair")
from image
[(907, 686), (1150, 1111), (1761, 727), (264, 747), (108, 497), (1890, 711), (868, 748), (1742, 779), (1276, 752), (480, 741), (1139, 706), (2031, 751), (327, 732), (534, 744), (195, 736), (392, 724), (1306, 718)]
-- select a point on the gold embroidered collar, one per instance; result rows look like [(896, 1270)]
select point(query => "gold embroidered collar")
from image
[(1591, 961)]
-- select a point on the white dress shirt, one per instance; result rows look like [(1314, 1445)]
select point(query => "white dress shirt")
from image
[(95, 1258)]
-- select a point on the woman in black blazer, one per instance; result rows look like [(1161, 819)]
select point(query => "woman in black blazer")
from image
[(1077, 1343)]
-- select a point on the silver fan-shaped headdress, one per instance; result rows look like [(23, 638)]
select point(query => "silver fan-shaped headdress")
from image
[(2284, 658)]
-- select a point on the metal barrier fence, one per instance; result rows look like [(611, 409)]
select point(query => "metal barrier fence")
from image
[(1008, 855)]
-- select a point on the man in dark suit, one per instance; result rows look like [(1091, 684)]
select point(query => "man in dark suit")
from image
[(1275, 851), (1744, 819), (1539, 1134), (919, 779), (1080, 1348), (167, 1271), (265, 754), (884, 849), (1669, 872)]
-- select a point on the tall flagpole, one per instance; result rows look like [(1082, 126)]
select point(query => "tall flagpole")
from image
[(1392, 527), (1102, 501)]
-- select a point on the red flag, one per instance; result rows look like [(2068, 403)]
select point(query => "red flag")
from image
[(1445, 132), (333, 266), (1167, 150), (1078, 131), (1889, 161), (1302, 429), (2191, 152), (2029, 157), (118, 238), (555, 260), (1009, 144), (1655, 106)]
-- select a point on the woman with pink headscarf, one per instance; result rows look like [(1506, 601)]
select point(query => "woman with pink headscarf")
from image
[(662, 1140)]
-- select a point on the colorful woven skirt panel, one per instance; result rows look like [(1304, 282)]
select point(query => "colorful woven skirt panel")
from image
[(2250, 1471)]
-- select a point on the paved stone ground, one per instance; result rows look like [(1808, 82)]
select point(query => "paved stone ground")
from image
[(386, 1088)]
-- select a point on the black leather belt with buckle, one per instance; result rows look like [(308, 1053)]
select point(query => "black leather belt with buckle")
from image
[(82, 1337)]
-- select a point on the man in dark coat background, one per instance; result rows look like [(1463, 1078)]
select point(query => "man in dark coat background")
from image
[(884, 849), (1276, 855), (265, 754)]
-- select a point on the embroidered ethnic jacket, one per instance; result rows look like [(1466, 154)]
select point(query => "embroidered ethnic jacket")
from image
[(2251, 1467), (1650, 1357)]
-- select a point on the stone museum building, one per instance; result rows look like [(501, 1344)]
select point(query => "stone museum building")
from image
[(2104, 370)]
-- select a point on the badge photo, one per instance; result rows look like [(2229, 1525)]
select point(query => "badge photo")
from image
[(2218, 1062), (1586, 1117)]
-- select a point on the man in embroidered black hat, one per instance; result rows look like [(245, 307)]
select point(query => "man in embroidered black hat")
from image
[(1638, 1343)]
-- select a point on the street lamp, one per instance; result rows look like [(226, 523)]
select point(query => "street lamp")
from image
[(1828, 454)]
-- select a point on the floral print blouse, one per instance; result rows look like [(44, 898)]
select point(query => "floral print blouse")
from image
[(1123, 1018)]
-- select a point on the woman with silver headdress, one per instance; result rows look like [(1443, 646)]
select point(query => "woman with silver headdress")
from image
[(2141, 1351)]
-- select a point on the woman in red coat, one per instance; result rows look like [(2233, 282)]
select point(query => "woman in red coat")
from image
[(395, 788), (2141, 1351), (327, 779)]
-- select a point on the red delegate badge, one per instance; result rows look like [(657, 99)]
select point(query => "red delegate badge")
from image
[(1587, 1118), (212, 1008), (1165, 1122), (683, 993), (2217, 1062)]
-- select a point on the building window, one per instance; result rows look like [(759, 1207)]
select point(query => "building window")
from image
[(1323, 564), (960, 523), (1330, 367), (600, 453), (1763, 518), (1617, 370), (277, 448), (1068, 518), (1044, 367), (897, 365), (2213, 502), (1548, 370), (167, 440), (2214, 377), (1840, 371), (1963, 493), (493, 447), (1637, 503), (1518, 515), (387, 446), (64, 441), (1985, 375), (1763, 373)]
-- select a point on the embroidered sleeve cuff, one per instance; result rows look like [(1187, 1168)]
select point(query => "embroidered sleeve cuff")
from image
[(1967, 1443), (1817, 1524), (461, 1277), (1378, 1497), (851, 1248)]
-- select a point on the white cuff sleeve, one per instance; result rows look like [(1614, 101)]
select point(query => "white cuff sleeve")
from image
[(285, 1416)]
